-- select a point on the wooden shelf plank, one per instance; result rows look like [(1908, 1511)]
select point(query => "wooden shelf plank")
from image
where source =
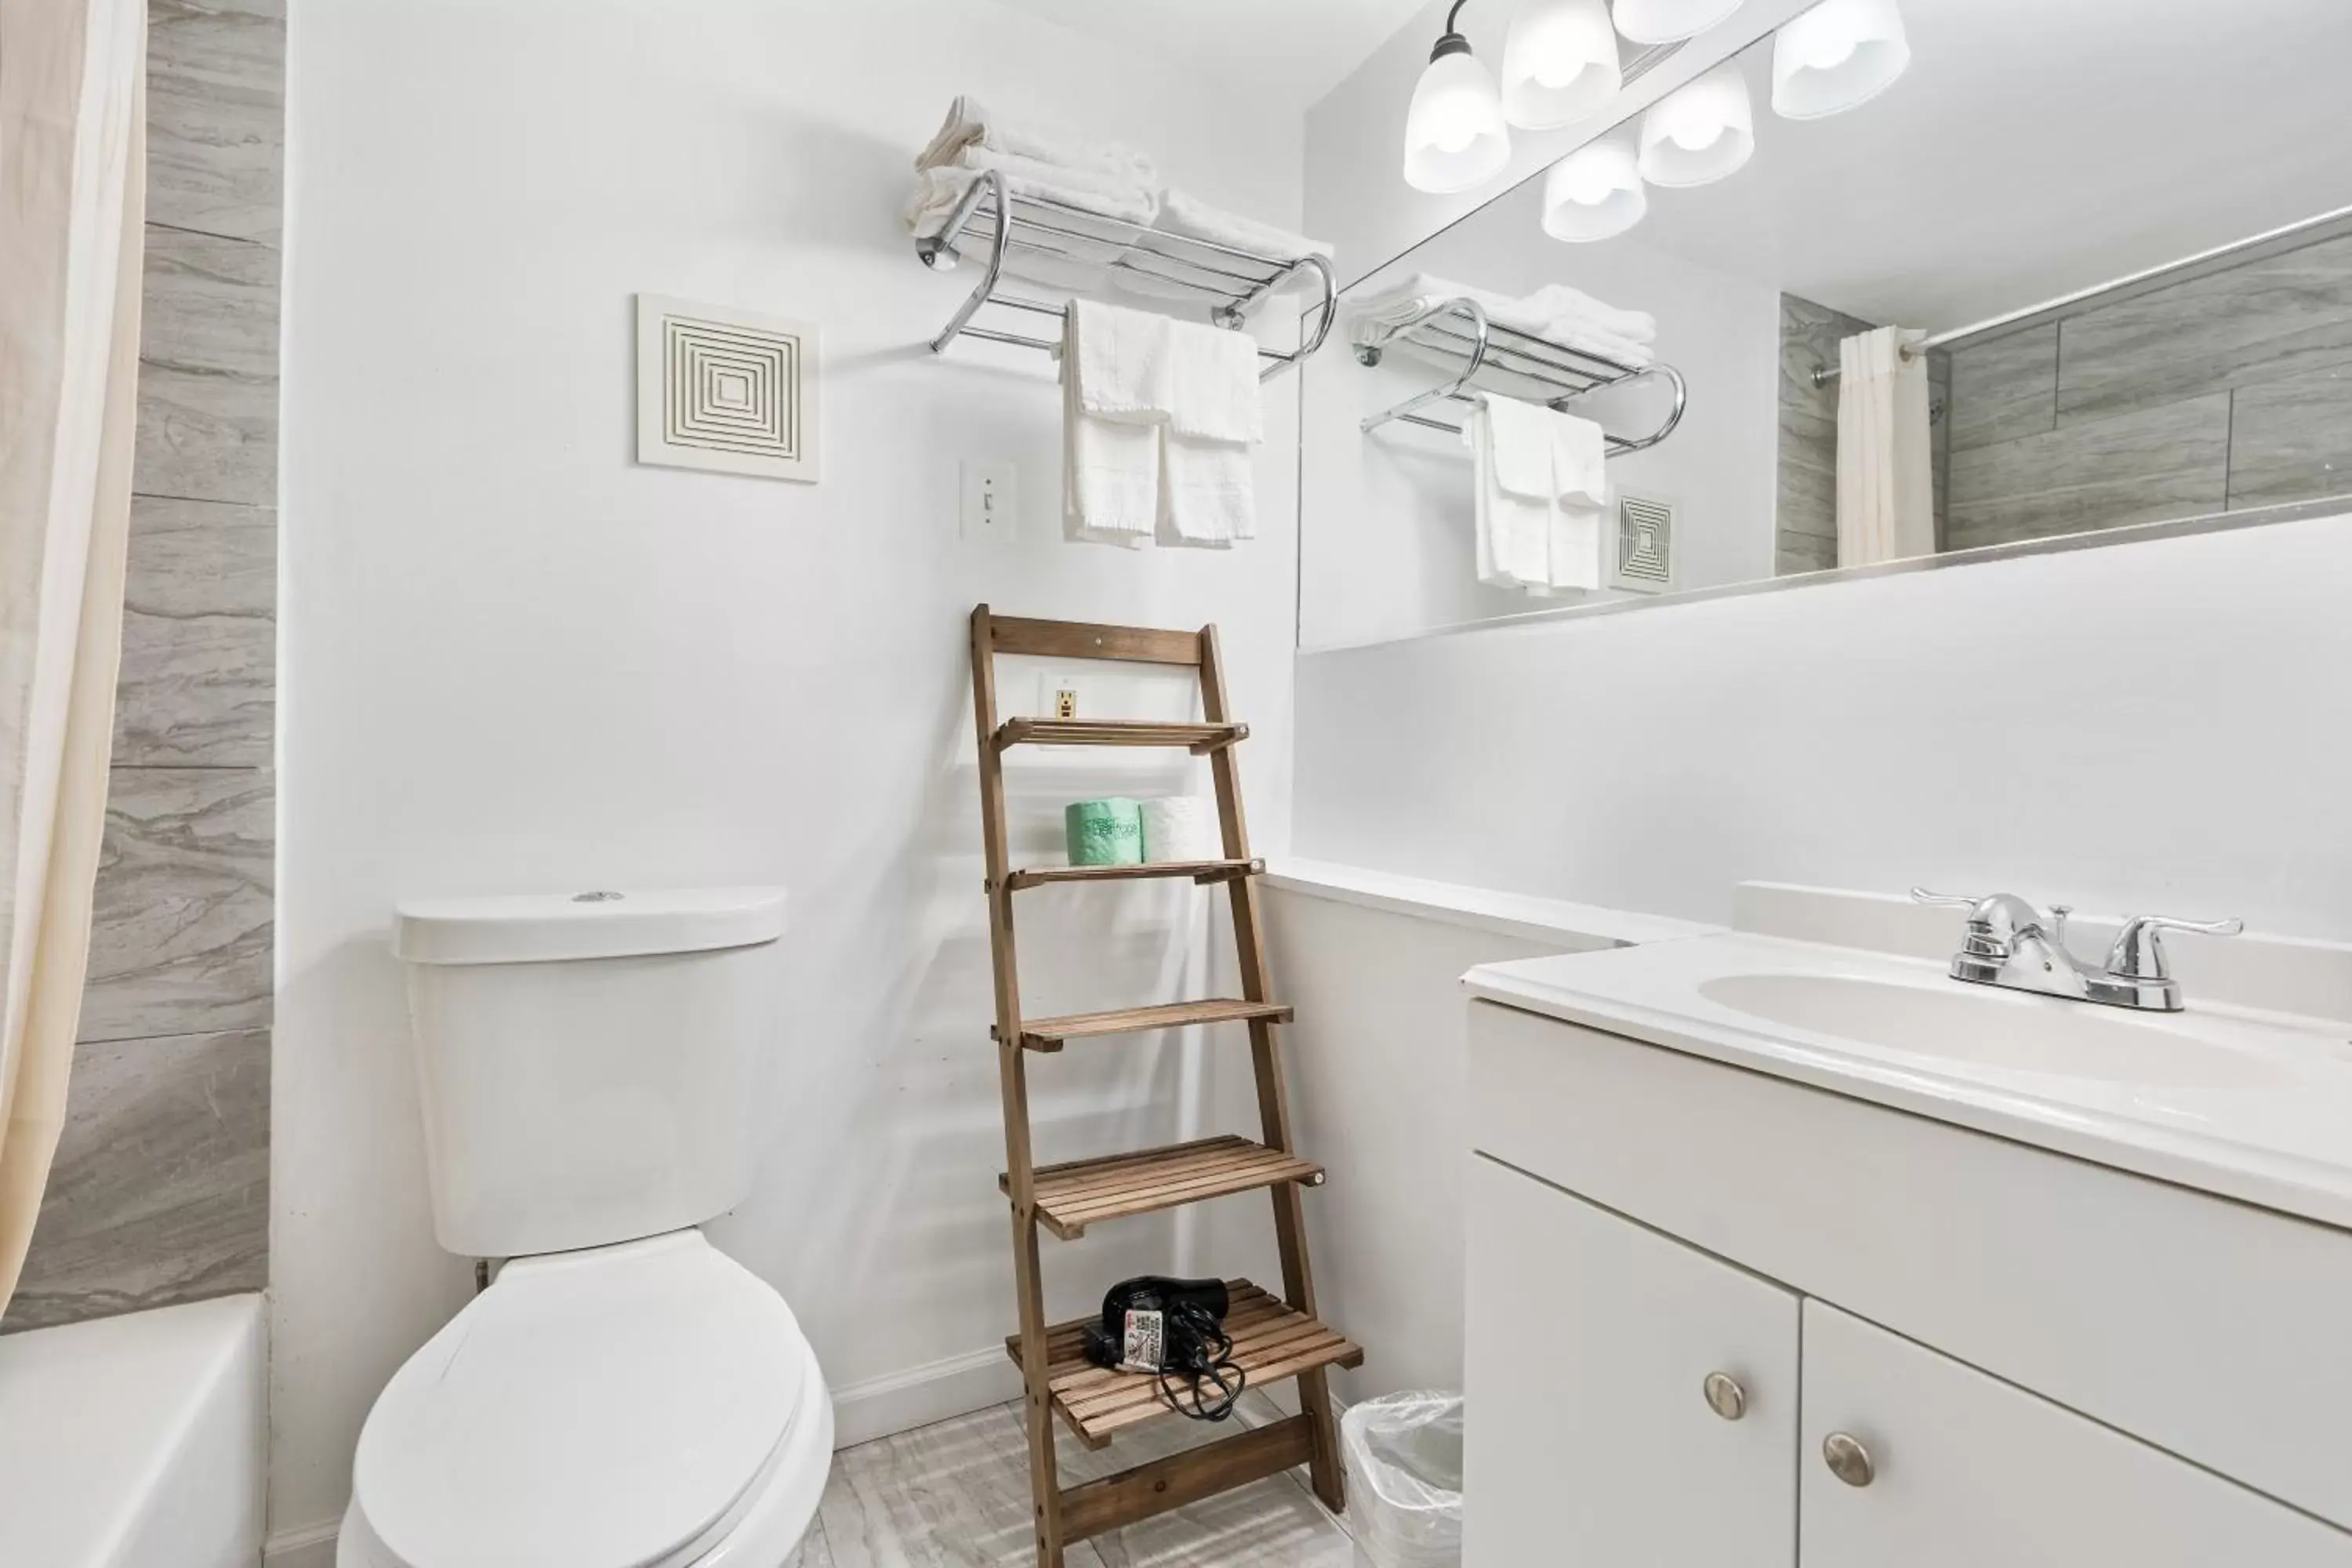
[(1199, 870), (1271, 1341), (1072, 1196), (1048, 1034), (1198, 739)]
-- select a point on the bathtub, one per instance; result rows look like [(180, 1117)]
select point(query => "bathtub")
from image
[(135, 1442)]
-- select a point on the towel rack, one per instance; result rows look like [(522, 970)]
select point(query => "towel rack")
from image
[(1230, 281), (1559, 373)]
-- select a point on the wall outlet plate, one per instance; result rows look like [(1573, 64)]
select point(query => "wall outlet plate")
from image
[(991, 501), (1057, 695)]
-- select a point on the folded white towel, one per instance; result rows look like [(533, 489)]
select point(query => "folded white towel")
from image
[(1579, 459), (971, 125), (1183, 214), (1372, 316), (1557, 302), (1110, 424), (1208, 493), (1102, 232)]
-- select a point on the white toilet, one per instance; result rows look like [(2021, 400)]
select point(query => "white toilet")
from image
[(623, 1395)]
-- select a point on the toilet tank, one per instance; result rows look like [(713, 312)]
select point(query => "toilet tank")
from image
[(587, 1061)]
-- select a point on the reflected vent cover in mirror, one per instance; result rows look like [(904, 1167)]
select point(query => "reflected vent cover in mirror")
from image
[(1643, 557)]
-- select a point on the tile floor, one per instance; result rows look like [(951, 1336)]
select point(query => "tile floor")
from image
[(956, 1495)]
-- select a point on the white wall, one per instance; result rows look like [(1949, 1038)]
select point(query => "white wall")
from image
[(2154, 726), (513, 660)]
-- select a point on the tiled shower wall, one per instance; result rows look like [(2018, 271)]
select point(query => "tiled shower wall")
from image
[(159, 1193)]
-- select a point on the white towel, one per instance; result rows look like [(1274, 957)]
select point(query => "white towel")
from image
[(1579, 459), (1514, 527), (1111, 214), (1183, 214), (1208, 493), (1559, 303), (971, 125), (1210, 389), (1373, 316), (1111, 375)]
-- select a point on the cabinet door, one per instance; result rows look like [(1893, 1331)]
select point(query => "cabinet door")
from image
[(1590, 1439), (1966, 1472)]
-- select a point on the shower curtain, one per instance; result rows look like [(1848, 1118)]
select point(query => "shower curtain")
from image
[(1885, 481), (72, 203)]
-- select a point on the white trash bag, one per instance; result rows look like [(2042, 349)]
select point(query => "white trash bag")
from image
[(1404, 1479)]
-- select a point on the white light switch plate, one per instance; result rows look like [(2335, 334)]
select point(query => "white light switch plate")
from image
[(991, 497)]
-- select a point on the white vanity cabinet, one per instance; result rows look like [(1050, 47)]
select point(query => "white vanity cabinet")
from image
[(1929, 1348)]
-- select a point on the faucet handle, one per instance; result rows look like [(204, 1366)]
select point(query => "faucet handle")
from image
[(1995, 920), (2139, 952)]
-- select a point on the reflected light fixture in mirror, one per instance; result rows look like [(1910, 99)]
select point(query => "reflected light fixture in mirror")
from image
[(1701, 133), (1454, 133), (1670, 21), (1594, 193), (1836, 57), (1560, 63)]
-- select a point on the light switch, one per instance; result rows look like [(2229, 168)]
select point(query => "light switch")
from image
[(990, 498)]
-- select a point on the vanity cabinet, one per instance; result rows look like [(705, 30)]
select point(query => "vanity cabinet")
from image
[(1715, 1317)]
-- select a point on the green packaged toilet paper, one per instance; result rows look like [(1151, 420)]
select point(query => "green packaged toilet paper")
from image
[(1103, 832)]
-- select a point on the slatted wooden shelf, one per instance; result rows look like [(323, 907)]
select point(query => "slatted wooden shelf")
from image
[(1072, 1196), (1048, 1034), (1198, 739), (1199, 870), (1271, 1341)]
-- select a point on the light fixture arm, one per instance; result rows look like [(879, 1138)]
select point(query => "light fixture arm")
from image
[(1451, 41)]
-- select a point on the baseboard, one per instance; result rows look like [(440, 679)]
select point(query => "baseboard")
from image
[(937, 1390), (307, 1546)]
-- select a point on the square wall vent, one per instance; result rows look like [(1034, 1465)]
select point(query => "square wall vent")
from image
[(726, 390), (1642, 549)]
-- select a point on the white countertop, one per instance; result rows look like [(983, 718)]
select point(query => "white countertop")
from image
[(1525, 915), (2275, 1129)]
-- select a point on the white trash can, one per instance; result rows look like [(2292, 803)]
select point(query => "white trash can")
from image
[(1403, 1454)]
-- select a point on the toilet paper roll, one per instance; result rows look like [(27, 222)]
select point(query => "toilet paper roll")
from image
[(1182, 828), (1103, 832)]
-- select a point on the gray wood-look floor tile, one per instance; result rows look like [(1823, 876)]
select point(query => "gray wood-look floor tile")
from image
[(952, 1495), (160, 1189), (2291, 440), (2004, 389), (2282, 315), (182, 936), (2165, 462), (215, 116), (208, 370), (199, 636), (814, 1551)]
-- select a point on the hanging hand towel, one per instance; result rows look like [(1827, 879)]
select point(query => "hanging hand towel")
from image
[(1511, 474), (1579, 510), (970, 123), (1112, 372), (1215, 416)]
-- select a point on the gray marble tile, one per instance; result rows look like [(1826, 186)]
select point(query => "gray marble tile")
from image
[(2171, 462), (951, 1495), (216, 116), (1805, 502), (199, 636), (2292, 439), (2278, 316), (208, 370), (2005, 388), (160, 1189), (182, 938), (1795, 553)]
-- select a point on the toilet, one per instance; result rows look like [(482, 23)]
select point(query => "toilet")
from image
[(623, 1395)]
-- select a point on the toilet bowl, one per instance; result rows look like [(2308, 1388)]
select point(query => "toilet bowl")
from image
[(650, 1404)]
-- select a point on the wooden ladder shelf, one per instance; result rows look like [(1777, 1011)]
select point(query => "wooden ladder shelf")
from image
[(1274, 1338)]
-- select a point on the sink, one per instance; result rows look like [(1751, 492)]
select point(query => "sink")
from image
[(1998, 1029)]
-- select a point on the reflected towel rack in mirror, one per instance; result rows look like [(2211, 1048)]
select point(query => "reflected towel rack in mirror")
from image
[(1534, 368), (1230, 281)]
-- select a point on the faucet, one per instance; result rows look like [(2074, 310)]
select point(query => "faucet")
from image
[(2010, 945)]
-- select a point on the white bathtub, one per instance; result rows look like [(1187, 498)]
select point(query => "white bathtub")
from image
[(135, 1442)]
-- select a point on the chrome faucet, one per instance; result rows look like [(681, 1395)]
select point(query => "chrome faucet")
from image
[(2010, 945)]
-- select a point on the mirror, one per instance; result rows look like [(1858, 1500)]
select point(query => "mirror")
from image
[(2114, 243)]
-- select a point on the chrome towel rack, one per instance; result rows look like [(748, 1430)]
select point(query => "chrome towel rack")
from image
[(1231, 282), (1536, 369)]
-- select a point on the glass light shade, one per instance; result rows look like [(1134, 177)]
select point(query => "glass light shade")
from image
[(1560, 63), (1454, 133), (1840, 54), (1667, 21), (1594, 193), (1699, 132)]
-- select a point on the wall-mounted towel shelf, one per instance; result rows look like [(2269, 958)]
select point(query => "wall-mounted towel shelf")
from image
[(1520, 365), (1232, 283)]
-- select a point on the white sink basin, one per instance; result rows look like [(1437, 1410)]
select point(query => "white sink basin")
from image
[(2005, 1029)]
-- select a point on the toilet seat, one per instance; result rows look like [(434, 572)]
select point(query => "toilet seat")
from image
[(623, 1406)]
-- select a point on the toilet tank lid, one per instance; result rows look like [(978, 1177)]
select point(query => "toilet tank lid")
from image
[(533, 928)]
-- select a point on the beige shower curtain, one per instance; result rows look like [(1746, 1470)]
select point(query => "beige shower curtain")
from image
[(72, 201), (1885, 481)]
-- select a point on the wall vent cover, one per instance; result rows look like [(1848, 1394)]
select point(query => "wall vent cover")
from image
[(1644, 559), (725, 390)]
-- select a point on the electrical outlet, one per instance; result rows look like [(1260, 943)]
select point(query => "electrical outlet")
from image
[(990, 495), (1058, 696)]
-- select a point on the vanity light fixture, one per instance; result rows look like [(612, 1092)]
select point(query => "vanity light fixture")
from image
[(1670, 21), (1560, 63), (1839, 55), (1594, 193), (1454, 133), (1701, 132)]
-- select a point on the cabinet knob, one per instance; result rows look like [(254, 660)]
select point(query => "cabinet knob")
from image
[(1724, 1395), (1848, 1460)]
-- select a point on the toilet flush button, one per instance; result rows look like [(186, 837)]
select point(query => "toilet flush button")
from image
[(597, 898)]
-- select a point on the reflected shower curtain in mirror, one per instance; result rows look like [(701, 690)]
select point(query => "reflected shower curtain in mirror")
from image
[(1886, 481), (72, 201)]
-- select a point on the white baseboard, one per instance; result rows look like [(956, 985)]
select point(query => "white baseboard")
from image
[(305, 1546), (902, 1401)]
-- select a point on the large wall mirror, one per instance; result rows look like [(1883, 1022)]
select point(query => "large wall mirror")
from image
[(2082, 273)]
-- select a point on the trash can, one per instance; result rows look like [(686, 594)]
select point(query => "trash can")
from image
[(1403, 1454)]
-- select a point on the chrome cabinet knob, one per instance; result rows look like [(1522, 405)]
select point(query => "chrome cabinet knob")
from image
[(1724, 1395), (1848, 1460)]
